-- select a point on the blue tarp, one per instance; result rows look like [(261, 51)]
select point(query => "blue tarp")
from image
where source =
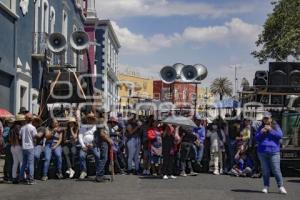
[(227, 103)]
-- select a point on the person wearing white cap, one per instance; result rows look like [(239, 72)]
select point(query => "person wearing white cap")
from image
[(268, 138)]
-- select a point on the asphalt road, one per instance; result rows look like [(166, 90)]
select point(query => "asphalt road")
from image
[(204, 186)]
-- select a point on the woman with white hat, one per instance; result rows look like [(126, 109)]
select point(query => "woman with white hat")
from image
[(70, 138)]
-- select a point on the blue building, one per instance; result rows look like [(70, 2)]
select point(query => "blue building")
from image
[(107, 64), (25, 27)]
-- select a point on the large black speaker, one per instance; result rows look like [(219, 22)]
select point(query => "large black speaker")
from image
[(278, 76), (284, 77), (294, 77), (66, 88), (261, 79)]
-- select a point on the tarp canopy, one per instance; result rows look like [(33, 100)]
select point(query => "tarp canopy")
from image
[(227, 103)]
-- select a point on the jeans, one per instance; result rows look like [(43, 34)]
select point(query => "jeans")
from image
[(271, 162), (37, 158), (133, 146), (168, 165), (231, 152), (8, 163), (100, 154), (200, 151), (48, 155), (17, 154), (28, 161), (67, 150)]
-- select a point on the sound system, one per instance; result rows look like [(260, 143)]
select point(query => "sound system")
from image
[(284, 77), (261, 79), (66, 87)]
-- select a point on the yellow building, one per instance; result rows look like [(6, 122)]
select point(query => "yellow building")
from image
[(133, 88)]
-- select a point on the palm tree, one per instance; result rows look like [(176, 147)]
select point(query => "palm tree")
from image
[(221, 86)]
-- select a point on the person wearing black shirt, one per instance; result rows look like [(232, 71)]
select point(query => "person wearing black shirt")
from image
[(70, 139), (186, 149)]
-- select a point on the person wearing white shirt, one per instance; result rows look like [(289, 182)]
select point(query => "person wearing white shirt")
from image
[(217, 140), (88, 144), (27, 134)]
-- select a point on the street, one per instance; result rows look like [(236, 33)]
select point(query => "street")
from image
[(204, 186)]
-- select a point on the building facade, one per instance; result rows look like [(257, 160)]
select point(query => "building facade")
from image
[(183, 95), (106, 59), (133, 88), (8, 63), (24, 33)]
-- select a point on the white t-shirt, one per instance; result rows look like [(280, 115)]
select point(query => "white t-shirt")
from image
[(216, 144), (27, 134), (86, 135)]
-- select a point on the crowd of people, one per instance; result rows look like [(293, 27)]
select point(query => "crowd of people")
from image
[(140, 145)]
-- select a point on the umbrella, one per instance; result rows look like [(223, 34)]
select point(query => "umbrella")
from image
[(4, 113), (179, 120)]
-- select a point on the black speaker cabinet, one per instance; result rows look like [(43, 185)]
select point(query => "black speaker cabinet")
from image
[(284, 77), (261, 79), (66, 88)]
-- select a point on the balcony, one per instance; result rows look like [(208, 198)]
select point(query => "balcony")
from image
[(40, 45)]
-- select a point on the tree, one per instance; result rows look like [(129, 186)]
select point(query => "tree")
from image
[(245, 83), (221, 86), (280, 37)]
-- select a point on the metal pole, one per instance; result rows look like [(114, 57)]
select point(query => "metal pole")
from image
[(196, 88)]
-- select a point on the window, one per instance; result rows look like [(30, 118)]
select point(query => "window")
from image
[(23, 97), (52, 19), (45, 16), (108, 53), (11, 4), (65, 31)]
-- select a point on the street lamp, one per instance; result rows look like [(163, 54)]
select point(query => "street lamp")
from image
[(235, 67)]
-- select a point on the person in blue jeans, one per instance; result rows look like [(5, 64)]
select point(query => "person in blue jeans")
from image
[(27, 134), (39, 145), (200, 133), (268, 138), (133, 134), (53, 145)]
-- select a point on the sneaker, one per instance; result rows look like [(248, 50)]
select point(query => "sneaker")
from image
[(31, 182), (183, 174), (193, 174), (221, 171), (83, 175), (72, 173), (68, 171), (173, 177), (44, 178), (15, 181), (282, 190), (165, 177), (154, 174), (216, 172), (59, 176), (99, 179), (265, 190)]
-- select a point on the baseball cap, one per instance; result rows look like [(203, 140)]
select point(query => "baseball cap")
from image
[(267, 114)]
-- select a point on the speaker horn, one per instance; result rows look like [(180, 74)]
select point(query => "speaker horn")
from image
[(79, 41), (57, 43), (201, 72), (168, 74), (189, 73), (178, 67)]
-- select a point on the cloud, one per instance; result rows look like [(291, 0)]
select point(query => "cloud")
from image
[(231, 32), (117, 9), (133, 43)]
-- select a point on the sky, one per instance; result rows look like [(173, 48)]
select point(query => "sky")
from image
[(219, 34)]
